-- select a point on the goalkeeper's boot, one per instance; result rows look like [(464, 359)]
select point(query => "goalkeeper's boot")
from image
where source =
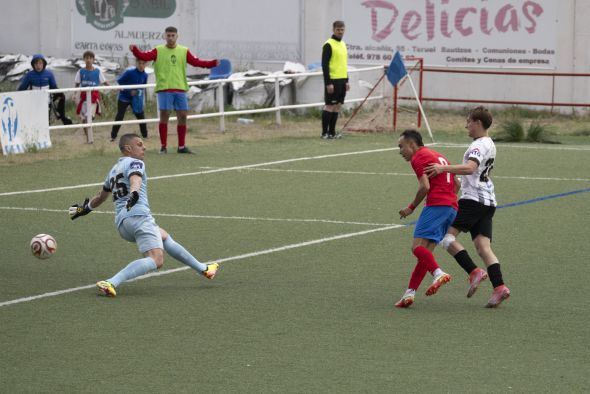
[(106, 288), (500, 294), (406, 300), (211, 270), (438, 281), (475, 278)]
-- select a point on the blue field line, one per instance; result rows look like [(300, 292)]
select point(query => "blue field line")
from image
[(549, 197), (525, 202)]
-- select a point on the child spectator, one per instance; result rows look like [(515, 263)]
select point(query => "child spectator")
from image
[(89, 76), (41, 78), (133, 97)]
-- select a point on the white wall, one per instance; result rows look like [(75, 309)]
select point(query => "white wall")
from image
[(265, 33)]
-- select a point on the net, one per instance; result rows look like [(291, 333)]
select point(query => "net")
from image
[(380, 113)]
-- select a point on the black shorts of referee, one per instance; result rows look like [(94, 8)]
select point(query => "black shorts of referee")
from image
[(337, 97)]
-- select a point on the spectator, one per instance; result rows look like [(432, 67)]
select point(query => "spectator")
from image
[(133, 97), (89, 76), (41, 78)]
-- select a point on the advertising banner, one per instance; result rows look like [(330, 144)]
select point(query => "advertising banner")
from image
[(24, 119), (454, 33), (108, 27)]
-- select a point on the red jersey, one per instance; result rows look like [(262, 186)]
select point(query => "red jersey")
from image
[(442, 186)]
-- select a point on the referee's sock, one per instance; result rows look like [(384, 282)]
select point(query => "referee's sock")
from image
[(325, 121), (333, 119), (465, 261)]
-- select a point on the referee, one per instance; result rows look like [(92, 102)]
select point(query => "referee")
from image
[(335, 69)]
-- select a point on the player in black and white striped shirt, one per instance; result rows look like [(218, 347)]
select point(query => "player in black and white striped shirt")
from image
[(477, 206)]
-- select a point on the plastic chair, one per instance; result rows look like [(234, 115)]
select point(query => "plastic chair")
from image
[(222, 71)]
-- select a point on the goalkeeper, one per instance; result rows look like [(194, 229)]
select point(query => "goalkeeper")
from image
[(127, 182)]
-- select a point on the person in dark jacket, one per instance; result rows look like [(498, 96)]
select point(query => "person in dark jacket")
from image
[(41, 78)]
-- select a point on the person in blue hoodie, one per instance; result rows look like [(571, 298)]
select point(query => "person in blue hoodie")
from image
[(41, 78), (133, 97)]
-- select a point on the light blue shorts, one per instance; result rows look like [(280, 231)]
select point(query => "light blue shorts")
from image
[(142, 230), (434, 221), (168, 101)]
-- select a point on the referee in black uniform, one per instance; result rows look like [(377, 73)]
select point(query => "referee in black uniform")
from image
[(335, 69)]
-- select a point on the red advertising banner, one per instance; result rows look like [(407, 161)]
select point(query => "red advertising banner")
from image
[(454, 33)]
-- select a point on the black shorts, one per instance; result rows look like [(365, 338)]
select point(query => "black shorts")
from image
[(475, 218), (339, 92)]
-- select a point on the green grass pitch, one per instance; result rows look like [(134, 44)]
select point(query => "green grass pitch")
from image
[(304, 299)]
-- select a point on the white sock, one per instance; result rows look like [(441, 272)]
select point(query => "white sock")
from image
[(410, 292), (133, 270), (177, 251), (437, 272)]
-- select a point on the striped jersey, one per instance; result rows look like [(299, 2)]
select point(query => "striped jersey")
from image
[(478, 186)]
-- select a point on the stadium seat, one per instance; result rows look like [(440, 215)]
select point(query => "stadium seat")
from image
[(314, 66), (222, 71)]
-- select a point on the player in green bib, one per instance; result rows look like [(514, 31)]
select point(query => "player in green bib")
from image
[(170, 62)]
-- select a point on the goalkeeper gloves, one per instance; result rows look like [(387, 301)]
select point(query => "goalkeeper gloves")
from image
[(80, 210), (133, 198)]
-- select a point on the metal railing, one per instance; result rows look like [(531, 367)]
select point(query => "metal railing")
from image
[(221, 112)]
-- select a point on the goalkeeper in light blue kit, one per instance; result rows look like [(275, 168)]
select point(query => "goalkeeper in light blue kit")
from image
[(127, 183)]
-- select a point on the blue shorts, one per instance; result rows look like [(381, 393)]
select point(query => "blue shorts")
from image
[(433, 223), (168, 101), (142, 230)]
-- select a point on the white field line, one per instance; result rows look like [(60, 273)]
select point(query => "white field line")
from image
[(513, 146), (216, 170), (187, 216), (248, 166), (223, 260), (413, 175)]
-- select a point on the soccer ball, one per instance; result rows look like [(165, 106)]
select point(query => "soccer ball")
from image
[(43, 246)]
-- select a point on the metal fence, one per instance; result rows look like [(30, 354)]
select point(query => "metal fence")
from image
[(221, 112)]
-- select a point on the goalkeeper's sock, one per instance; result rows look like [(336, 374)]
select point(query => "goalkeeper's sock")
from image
[(417, 276), (326, 116), (133, 270), (177, 251), (163, 129), (181, 130), (332, 127), (465, 261), (426, 257)]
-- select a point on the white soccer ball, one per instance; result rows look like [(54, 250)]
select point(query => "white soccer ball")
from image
[(43, 246)]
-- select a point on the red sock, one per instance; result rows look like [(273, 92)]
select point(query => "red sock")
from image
[(181, 130), (417, 276), (163, 128), (426, 257)]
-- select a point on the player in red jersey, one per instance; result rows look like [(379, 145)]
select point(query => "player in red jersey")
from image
[(439, 212)]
